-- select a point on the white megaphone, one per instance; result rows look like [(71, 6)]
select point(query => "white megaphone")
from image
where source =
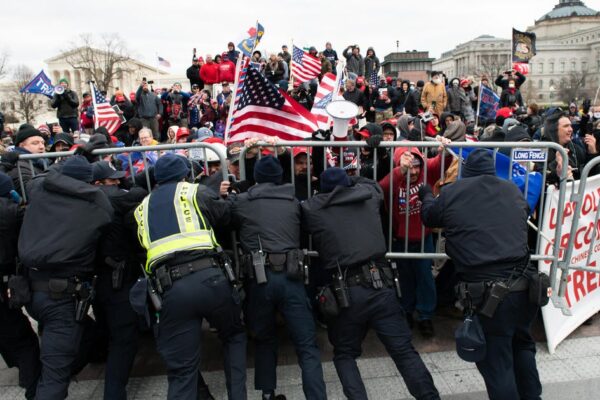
[(59, 89), (341, 111)]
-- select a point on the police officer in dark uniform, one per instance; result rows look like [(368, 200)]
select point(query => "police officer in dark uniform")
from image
[(345, 222), (57, 245), (18, 342), (175, 225), (117, 269), (485, 222), (268, 219)]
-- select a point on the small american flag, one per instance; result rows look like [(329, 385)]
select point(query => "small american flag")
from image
[(264, 111), (373, 79), (304, 66), (163, 63), (104, 114), (325, 93)]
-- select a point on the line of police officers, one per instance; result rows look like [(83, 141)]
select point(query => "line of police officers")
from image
[(76, 247)]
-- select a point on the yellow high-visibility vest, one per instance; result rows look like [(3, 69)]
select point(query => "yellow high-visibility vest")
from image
[(194, 233)]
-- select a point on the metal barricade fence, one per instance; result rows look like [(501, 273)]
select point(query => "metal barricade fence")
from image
[(537, 254), (591, 232), (128, 151)]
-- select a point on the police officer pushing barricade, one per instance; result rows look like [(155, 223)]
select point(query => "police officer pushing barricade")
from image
[(268, 219), (57, 245), (18, 342), (485, 222), (117, 270), (344, 220), (190, 273)]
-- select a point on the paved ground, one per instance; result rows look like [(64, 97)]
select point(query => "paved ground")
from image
[(572, 372)]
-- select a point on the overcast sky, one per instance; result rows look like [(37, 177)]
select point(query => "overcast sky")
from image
[(35, 30)]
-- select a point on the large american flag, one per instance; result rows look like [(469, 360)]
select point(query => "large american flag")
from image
[(104, 114), (264, 111), (304, 66)]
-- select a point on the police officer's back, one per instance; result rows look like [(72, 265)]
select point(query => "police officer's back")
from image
[(268, 219), (175, 225), (485, 224), (57, 245), (18, 342), (344, 220), (118, 267)]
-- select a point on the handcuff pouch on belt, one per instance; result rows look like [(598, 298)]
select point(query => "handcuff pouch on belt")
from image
[(19, 289), (118, 271), (482, 297)]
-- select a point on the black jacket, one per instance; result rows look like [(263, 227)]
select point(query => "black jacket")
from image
[(357, 97), (485, 223), (62, 226), (120, 239), (11, 217), (413, 102), (508, 99), (346, 225), (271, 212), (66, 104), (28, 170), (502, 81), (193, 74)]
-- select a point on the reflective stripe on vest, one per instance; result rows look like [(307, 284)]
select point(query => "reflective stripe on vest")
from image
[(192, 235)]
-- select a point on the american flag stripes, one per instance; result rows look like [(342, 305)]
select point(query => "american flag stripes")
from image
[(325, 93), (163, 63), (104, 114), (263, 111), (304, 66)]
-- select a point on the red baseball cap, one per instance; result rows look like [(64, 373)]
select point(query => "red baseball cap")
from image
[(388, 80), (364, 133), (301, 150), (504, 112), (182, 132)]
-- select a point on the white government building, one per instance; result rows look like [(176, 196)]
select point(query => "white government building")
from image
[(568, 41)]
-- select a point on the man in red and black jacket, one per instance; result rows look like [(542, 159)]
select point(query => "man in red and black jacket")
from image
[(418, 285)]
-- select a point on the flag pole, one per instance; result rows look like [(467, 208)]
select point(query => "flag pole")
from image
[(478, 104), (292, 67), (93, 92), (233, 95), (157, 73)]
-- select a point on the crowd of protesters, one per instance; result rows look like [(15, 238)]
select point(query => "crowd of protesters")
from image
[(391, 109)]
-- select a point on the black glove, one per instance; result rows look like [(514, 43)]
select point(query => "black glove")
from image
[(240, 186), (424, 190), (321, 135), (587, 103), (10, 157), (374, 141)]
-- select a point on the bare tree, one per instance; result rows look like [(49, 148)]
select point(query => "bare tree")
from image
[(4, 57), (573, 87), (102, 61), (27, 104), (529, 92), (490, 66)]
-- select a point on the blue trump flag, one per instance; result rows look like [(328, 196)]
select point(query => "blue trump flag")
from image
[(488, 103), (41, 84), (518, 176), (246, 46)]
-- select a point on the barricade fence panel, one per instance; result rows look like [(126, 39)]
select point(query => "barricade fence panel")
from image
[(519, 159)]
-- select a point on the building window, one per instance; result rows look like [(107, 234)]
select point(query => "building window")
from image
[(540, 96), (562, 66), (540, 84), (541, 68), (584, 66), (573, 66), (551, 68), (551, 95)]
